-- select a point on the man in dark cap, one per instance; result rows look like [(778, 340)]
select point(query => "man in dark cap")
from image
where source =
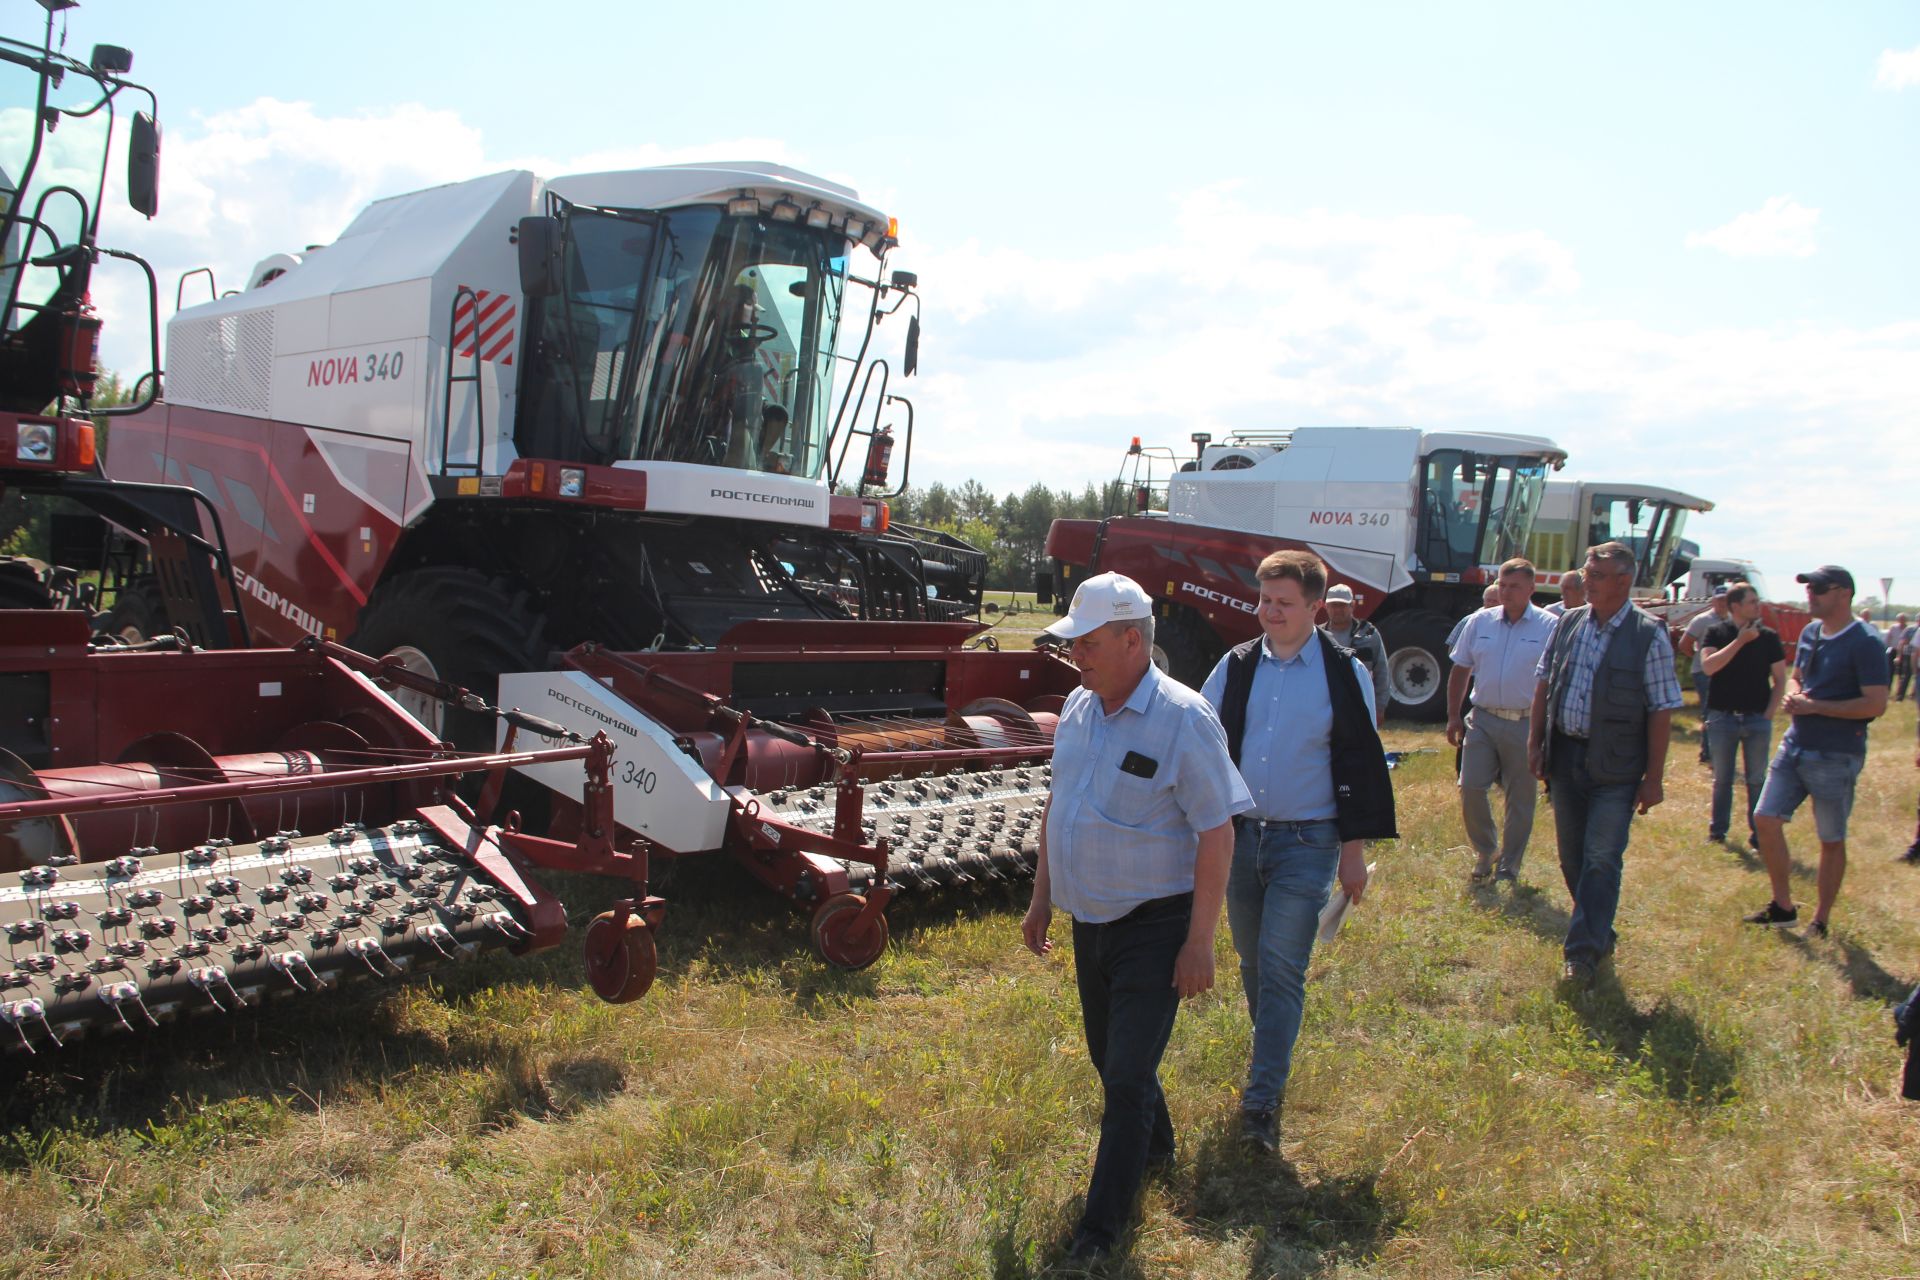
[(1839, 684)]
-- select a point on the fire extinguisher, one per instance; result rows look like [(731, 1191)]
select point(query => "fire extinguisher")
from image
[(79, 349), (879, 458)]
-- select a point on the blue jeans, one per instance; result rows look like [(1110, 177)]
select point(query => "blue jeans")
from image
[(1591, 821), (1728, 733), (1282, 876), (1127, 1003), (1826, 776)]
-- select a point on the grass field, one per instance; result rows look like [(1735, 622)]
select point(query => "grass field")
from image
[(1725, 1106)]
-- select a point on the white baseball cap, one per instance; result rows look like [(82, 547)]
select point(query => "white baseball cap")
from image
[(1339, 593), (1103, 598)]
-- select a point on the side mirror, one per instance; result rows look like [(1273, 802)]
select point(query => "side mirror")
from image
[(1043, 587), (143, 163), (905, 279), (1469, 469), (540, 269), (911, 363)]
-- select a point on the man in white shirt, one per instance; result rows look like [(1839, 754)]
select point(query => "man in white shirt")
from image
[(1498, 650), (1573, 593)]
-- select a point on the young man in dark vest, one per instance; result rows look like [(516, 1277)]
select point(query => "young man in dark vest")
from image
[(1602, 713), (1298, 714)]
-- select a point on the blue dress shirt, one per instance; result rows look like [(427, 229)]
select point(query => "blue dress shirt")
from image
[(1286, 752)]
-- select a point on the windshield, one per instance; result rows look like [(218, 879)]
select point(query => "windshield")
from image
[(73, 157), (1649, 527), (1476, 510), (690, 336)]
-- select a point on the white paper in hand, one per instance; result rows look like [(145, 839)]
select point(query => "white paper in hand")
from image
[(1334, 914)]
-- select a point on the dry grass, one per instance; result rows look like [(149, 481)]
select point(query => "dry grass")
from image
[(1724, 1108)]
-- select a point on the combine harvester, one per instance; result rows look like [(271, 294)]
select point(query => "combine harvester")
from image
[(573, 441), (1414, 521), (1577, 515)]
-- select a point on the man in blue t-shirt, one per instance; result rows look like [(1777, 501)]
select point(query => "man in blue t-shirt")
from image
[(1839, 683)]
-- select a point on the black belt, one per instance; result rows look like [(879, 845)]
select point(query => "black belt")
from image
[(1277, 824)]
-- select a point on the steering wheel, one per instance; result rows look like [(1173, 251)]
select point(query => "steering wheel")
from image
[(757, 333)]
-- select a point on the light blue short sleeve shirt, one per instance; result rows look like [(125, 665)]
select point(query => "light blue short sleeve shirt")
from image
[(1118, 837)]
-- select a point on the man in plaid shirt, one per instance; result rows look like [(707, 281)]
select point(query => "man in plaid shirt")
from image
[(1602, 712)]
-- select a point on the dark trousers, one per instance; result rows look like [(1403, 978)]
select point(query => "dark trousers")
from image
[(1128, 1002), (1902, 666)]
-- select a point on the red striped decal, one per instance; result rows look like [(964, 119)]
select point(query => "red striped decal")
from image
[(491, 316)]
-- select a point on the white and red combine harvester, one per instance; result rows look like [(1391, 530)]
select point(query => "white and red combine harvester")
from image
[(1576, 515), (579, 441), (1414, 521), (498, 419)]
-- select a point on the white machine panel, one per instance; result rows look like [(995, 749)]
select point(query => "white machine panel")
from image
[(658, 790), (687, 489)]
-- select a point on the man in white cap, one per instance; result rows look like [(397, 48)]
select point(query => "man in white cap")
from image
[(1135, 846), (1363, 638)]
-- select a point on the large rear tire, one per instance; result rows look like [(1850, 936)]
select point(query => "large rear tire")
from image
[(456, 625), (139, 612), (1186, 648), (1417, 663)]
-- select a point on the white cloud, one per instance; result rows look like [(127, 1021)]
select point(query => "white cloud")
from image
[(1899, 69), (1780, 228)]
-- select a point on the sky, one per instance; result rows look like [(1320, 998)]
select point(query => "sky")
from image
[(1679, 240)]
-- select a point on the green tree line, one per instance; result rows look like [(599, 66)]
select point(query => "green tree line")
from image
[(1011, 529)]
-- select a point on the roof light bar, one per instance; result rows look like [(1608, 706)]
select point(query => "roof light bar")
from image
[(784, 210), (819, 219), (744, 205)]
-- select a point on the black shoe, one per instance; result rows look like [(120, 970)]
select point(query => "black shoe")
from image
[(1085, 1252), (1773, 916), (1912, 855), (1716, 837), (1817, 929), (1257, 1132), (1161, 1166), (1753, 841), (1506, 877), (1577, 973)]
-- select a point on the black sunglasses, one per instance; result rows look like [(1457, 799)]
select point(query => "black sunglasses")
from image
[(1820, 588)]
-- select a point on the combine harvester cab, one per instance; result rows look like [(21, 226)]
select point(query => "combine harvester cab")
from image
[(1577, 515), (1416, 522)]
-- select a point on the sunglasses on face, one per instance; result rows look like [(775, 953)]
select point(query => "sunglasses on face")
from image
[(1819, 588)]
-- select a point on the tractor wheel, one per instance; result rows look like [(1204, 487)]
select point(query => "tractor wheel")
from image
[(840, 942), (20, 585), (1417, 663), (621, 962), (456, 625), (139, 612), (1186, 648)]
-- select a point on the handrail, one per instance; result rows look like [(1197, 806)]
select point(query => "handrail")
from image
[(479, 465)]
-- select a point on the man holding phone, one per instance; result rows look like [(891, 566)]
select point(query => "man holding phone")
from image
[(1747, 670), (1135, 847)]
